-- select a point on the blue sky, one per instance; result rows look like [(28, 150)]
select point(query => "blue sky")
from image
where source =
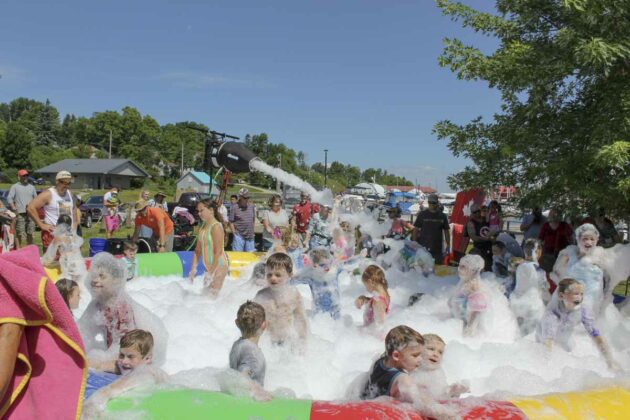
[(359, 78)]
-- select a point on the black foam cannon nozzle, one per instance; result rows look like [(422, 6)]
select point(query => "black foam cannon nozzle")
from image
[(233, 156)]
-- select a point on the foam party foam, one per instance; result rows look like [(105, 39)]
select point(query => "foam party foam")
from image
[(496, 365)]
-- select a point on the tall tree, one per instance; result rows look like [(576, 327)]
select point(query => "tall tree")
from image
[(563, 71), (16, 145)]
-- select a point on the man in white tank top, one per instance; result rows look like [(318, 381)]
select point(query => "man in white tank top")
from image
[(56, 201)]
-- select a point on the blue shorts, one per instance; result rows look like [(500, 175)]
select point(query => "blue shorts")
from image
[(98, 380), (243, 245)]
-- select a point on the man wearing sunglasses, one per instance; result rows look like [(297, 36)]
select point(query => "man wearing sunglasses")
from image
[(56, 201)]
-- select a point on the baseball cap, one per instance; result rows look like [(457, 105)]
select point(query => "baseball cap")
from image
[(22, 172), (160, 193), (433, 198), (243, 192), (140, 204), (63, 175)]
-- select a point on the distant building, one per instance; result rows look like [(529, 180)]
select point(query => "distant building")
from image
[(368, 189), (95, 173), (196, 181), (411, 188)]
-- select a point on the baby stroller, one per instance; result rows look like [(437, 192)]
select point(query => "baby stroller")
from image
[(183, 229)]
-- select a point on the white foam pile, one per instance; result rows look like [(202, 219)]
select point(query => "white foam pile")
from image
[(201, 333)]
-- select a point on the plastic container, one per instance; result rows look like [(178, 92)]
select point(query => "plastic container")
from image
[(97, 245)]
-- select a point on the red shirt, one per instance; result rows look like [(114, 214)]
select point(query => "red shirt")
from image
[(302, 214), (555, 241), (151, 220)]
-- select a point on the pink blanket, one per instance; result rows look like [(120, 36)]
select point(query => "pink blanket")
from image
[(50, 373)]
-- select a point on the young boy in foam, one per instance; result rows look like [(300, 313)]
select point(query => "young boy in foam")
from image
[(430, 376), (322, 278), (245, 355), (565, 311), (531, 290), (283, 305), (390, 375), (133, 367)]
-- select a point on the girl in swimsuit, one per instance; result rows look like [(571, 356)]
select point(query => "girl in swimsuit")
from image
[(210, 247), (376, 305)]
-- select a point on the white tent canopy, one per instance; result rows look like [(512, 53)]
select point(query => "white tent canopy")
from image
[(369, 188)]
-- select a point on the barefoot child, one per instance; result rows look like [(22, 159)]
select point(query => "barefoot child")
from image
[(322, 279), (284, 310), (377, 304), (469, 301), (430, 375), (563, 313), (245, 356)]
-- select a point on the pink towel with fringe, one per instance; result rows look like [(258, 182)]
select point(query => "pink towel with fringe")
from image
[(51, 369)]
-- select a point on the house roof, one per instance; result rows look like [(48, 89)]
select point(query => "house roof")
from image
[(91, 166), (200, 176)]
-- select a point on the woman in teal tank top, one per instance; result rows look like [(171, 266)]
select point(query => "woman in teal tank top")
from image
[(210, 247)]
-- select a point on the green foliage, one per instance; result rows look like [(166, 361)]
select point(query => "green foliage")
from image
[(563, 70), (16, 145)]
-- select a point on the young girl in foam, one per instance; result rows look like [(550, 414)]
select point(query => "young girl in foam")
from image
[(531, 291), (112, 312), (376, 305), (481, 304), (66, 245), (584, 263)]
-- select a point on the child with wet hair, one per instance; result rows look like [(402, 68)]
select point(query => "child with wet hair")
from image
[(531, 293), (292, 243), (469, 301), (69, 291), (133, 367), (286, 319), (322, 278), (563, 313), (112, 313), (130, 249), (245, 355), (390, 375), (377, 304), (430, 375)]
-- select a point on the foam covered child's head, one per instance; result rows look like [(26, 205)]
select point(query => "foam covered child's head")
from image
[(373, 278), (250, 319), (571, 293), (404, 348), (107, 276), (321, 259), (136, 348), (433, 351), (470, 266), (532, 249), (278, 268)]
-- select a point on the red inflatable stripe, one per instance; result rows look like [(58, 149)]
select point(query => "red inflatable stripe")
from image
[(326, 410)]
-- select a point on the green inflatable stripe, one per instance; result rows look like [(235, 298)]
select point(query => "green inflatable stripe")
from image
[(193, 404), (159, 264)]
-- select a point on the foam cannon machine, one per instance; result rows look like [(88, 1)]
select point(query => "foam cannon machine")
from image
[(224, 155)]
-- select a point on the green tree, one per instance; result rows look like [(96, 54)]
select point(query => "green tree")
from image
[(16, 145), (563, 71)]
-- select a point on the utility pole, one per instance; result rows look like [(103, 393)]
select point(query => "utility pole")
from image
[(110, 143), (325, 167), (181, 171)]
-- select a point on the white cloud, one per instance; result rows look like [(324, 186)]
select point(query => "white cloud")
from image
[(198, 80)]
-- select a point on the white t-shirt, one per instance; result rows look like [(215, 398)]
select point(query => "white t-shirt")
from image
[(275, 219)]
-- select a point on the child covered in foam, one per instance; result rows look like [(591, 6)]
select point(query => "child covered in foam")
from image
[(414, 256), (430, 375), (377, 305), (65, 251), (322, 277), (531, 290), (481, 304), (132, 369), (286, 319), (112, 312), (565, 311)]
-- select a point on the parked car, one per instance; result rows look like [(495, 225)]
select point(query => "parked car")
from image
[(189, 200), (91, 210)]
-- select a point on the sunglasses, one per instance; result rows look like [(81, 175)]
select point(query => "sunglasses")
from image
[(65, 182)]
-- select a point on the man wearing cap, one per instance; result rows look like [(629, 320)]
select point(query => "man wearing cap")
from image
[(431, 225), (158, 201), (158, 221), (301, 216), (56, 201), (242, 218), (20, 194)]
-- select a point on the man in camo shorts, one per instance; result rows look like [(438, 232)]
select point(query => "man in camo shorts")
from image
[(20, 194)]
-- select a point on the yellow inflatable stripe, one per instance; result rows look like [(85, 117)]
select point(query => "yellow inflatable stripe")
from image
[(53, 274), (608, 403)]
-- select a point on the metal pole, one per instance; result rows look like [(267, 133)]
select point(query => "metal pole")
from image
[(280, 167), (110, 143), (181, 171), (325, 167)]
